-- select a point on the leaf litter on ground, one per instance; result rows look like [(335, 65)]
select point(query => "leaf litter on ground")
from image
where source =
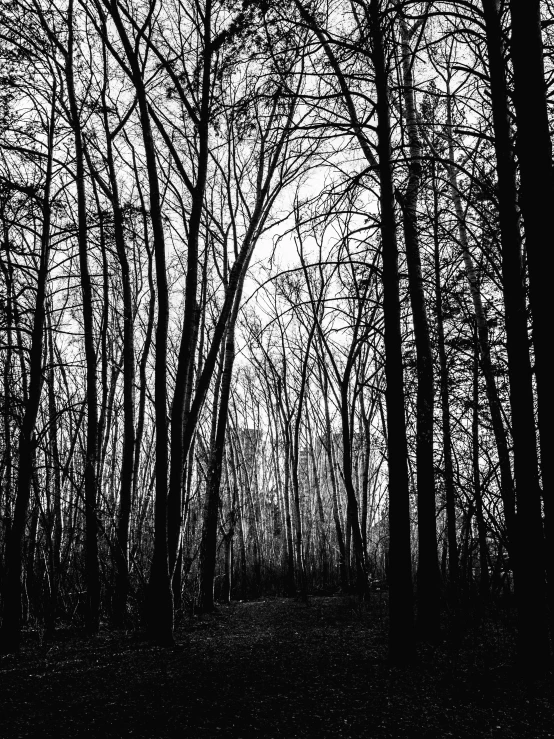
[(268, 668)]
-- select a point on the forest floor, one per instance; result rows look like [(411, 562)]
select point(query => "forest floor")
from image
[(272, 668)]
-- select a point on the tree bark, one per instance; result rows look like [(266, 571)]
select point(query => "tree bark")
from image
[(401, 624), (10, 631), (534, 151), (208, 545), (428, 575), (160, 597), (184, 375)]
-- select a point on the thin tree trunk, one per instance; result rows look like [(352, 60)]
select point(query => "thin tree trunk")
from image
[(92, 617), (289, 539), (366, 458), (323, 545), (143, 365), (507, 487), (56, 523), (127, 460), (208, 545), (481, 531), (428, 576), (343, 562), (298, 529), (362, 579), (160, 596), (184, 374), (453, 570)]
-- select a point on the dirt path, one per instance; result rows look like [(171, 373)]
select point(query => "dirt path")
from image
[(273, 668)]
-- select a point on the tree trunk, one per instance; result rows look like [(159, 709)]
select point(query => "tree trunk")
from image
[(289, 540), (534, 150), (478, 496), (10, 632), (7, 270), (143, 365), (56, 514), (343, 564), (453, 571), (401, 625), (184, 375), (127, 461), (352, 501), (428, 576), (159, 607), (208, 545), (92, 617), (507, 487)]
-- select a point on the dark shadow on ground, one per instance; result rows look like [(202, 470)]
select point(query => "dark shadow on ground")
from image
[(270, 668)]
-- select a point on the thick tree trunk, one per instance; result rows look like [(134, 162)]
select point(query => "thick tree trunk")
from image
[(401, 624), (10, 631), (6, 504), (534, 150)]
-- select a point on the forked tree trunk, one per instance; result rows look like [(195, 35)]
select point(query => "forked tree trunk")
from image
[(159, 608)]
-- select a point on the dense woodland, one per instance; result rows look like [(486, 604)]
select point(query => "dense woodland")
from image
[(274, 310)]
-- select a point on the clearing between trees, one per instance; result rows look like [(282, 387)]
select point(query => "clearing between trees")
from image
[(274, 668)]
